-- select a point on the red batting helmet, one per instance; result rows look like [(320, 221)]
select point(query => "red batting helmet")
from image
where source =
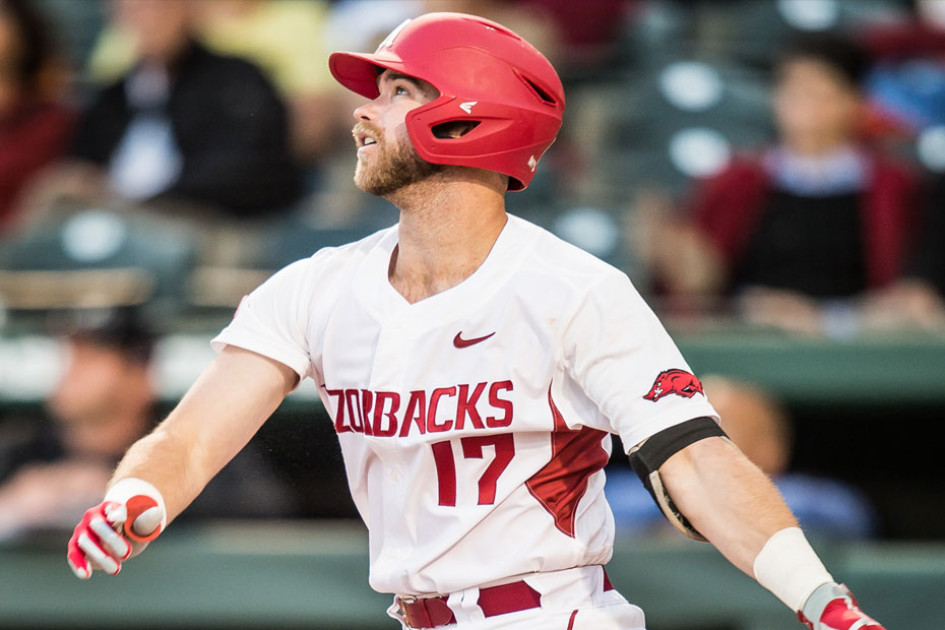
[(484, 73)]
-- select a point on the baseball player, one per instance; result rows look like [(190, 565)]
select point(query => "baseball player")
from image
[(474, 367)]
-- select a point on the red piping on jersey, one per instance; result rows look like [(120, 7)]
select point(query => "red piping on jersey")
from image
[(575, 456), (571, 620)]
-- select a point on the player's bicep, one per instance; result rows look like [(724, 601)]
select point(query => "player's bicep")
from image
[(227, 404)]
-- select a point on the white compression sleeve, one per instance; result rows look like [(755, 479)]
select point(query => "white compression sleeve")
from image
[(788, 567)]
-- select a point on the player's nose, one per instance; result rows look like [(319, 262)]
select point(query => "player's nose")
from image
[(365, 112)]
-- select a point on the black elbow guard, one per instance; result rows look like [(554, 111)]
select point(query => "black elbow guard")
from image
[(647, 457)]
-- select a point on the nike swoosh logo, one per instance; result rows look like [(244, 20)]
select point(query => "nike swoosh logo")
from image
[(459, 342)]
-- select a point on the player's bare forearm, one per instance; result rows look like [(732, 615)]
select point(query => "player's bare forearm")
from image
[(215, 419), (727, 498)]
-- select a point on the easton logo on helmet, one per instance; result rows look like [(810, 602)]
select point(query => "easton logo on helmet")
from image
[(679, 382), (389, 40)]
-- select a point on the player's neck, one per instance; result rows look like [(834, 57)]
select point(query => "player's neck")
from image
[(446, 232)]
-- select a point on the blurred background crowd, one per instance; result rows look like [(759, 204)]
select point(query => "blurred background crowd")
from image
[(763, 169)]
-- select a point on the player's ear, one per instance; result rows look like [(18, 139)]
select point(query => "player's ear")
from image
[(454, 129)]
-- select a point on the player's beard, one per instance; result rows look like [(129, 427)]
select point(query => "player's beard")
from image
[(394, 166)]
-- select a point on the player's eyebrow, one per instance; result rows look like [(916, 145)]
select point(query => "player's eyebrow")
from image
[(420, 84)]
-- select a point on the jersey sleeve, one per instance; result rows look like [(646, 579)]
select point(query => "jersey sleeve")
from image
[(272, 320), (619, 354)]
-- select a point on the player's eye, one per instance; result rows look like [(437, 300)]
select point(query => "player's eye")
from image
[(399, 89)]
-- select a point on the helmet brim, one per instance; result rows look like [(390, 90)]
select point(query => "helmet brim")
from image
[(358, 72)]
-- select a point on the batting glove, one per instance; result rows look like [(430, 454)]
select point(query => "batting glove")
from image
[(832, 607), (132, 515)]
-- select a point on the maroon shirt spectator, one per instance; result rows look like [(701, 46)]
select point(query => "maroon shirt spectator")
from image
[(818, 202), (34, 128), (921, 36), (590, 31), (730, 206)]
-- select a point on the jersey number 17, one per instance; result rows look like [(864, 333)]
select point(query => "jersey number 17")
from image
[(472, 447)]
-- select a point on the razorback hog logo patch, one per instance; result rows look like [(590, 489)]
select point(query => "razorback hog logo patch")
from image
[(679, 382)]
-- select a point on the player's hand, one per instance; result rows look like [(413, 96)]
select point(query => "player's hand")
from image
[(131, 515), (832, 607)]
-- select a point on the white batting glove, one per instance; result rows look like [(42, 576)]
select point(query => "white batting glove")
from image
[(832, 607), (132, 515)]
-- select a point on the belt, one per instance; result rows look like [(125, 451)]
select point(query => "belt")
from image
[(433, 612)]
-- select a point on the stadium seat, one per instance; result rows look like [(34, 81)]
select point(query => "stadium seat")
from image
[(97, 258), (679, 120)]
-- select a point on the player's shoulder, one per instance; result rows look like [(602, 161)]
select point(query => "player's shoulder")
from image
[(556, 260), (328, 266), (346, 255)]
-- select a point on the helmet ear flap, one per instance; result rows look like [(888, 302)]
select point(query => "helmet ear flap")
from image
[(519, 135), (429, 123)]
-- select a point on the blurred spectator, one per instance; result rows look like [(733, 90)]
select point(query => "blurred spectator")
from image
[(819, 219), (757, 423), (919, 296), (930, 261), (590, 31), (363, 24), (921, 36), (286, 39), (532, 21), (104, 401), (761, 427), (183, 125), (34, 123), (907, 86)]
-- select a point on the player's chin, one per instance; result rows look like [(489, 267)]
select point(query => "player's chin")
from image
[(371, 187), (361, 180), (371, 183), (364, 183)]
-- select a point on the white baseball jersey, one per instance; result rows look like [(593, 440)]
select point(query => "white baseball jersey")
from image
[(475, 424)]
